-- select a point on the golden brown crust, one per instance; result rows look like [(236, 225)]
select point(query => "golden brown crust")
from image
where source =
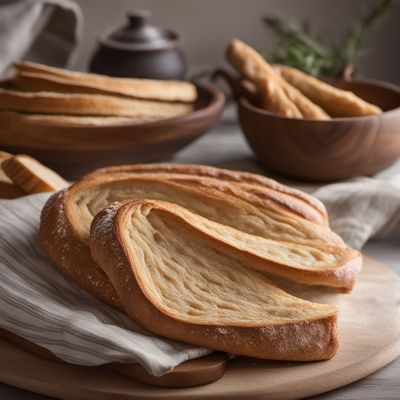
[(4, 155), (272, 98), (58, 239), (294, 201), (68, 120), (342, 276), (252, 66), (61, 230), (308, 340), (88, 104), (31, 176), (337, 102), (3, 177), (38, 75)]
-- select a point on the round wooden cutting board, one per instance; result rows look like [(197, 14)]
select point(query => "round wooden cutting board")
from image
[(370, 338)]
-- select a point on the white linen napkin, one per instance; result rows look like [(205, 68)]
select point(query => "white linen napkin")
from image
[(39, 304), (44, 31), (363, 208)]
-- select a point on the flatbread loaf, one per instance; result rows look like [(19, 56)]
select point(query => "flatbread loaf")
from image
[(178, 282), (66, 218), (88, 105), (37, 76)]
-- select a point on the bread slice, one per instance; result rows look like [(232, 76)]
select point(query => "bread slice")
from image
[(68, 120), (88, 104), (337, 102), (3, 156), (31, 176), (89, 196), (7, 188), (177, 282), (66, 219), (57, 79), (265, 191)]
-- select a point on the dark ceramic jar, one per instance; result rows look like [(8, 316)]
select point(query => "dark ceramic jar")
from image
[(139, 50)]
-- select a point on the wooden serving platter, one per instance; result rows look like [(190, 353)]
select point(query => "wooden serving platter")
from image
[(370, 338)]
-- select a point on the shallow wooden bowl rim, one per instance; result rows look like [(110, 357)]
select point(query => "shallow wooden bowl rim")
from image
[(216, 101)]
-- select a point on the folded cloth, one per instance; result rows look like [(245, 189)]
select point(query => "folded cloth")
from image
[(363, 208), (44, 31), (39, 304)]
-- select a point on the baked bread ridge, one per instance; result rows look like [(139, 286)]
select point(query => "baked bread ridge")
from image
[(325, 265), (3, 177), (222, 204), (7, 188), (133, 87), (331, 265), (88, 105), (31, 176), (337, 102), (58, 239), (75, 120), (64, 227), (303, 205), (293, 338)]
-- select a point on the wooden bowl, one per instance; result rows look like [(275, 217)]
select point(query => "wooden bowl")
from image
[(74, 150), (325, 150)]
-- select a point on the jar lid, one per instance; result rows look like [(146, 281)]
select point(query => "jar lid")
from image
[(139, 34)]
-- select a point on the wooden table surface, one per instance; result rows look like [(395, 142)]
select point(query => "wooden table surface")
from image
[(225, 147)]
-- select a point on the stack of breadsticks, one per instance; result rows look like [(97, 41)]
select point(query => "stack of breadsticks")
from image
[(52, 95), (291, 93)]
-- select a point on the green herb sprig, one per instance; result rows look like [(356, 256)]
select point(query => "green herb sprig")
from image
[(300, 48)]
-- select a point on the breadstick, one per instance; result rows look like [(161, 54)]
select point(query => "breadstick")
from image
[(88, 104), (337, 102), (7, 188), (309, 109), (10, 191), (272, 98), (138, 88), (31, 176), (3, 177), (253, 66)]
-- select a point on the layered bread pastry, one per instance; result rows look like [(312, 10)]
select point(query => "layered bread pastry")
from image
[(39, 94), (176, 280), (158, 235)]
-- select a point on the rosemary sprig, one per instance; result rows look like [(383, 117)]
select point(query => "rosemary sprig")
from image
[(299, 48), (359, 29)]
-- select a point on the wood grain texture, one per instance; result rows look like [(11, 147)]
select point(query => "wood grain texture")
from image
[(226, 147), (370, 319), (75, 150), (195, 372), (329, 150)]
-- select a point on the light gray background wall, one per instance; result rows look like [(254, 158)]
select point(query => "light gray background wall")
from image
[(208, 25)]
